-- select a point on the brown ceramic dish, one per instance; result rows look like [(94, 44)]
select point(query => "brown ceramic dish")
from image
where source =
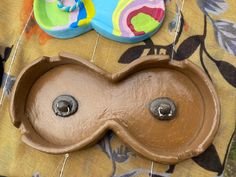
[(167, 111)]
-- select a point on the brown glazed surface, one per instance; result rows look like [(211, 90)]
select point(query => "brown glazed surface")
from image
[(118, 102)]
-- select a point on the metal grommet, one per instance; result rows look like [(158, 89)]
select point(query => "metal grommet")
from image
[(163, 108), (65, 106)]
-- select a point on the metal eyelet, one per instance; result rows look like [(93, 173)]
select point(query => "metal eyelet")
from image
[(163, 108), (65, 106)]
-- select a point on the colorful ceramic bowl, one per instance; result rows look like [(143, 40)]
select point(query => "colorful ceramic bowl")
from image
[(126, 21)]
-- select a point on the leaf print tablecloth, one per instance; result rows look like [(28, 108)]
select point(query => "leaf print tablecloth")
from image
[(207, 37)]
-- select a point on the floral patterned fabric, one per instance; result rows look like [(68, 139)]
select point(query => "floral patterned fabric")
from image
[(207, 36)]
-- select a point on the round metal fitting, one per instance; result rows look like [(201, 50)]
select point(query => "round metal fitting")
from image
[(65, 106), (163, 108)]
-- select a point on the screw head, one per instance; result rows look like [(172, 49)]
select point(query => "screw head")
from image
[(163, 108)]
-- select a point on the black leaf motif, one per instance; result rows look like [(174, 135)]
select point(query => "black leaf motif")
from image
[(8, 81), (214, 7), (149, 43), (3, 58), (105, 144), (129, 174), (228, 71), (1, 72), (132, 54), (188, 47), (171, 169), (155, 175), (121, 154), (182, 21), (225, 32), (209, 160), (7, 53)]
